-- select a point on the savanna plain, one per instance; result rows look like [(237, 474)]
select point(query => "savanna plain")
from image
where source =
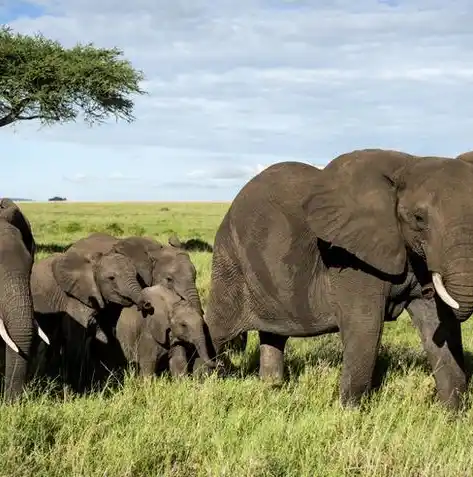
[(236, 426)]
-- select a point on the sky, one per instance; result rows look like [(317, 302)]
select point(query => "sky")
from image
[(238, 85)]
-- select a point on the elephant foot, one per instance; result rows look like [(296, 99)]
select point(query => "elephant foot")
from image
[(452, 395), (271, 365), (350, 400), (202, 370)]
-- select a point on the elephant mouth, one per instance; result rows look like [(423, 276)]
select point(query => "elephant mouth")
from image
[(125, 301), (428, 291)]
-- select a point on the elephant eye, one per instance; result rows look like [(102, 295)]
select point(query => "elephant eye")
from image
[(420, 218), (111, 278)]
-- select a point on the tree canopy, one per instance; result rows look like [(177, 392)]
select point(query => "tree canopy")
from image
[(40, 79)]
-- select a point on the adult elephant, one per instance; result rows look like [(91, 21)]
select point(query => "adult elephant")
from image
[(303, 252), (17, 325)]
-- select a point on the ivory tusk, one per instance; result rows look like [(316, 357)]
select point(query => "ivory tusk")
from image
[(43, 335), (6, 337), (442, 292)]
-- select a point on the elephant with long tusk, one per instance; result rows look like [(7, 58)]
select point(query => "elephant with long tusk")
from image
[(304, 252), (17, 323)]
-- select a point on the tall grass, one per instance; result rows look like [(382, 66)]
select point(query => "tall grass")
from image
[(237, 426)]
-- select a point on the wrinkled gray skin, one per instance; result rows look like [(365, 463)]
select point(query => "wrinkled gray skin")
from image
[(155, 263), (168, 265), (304, 252), (17, 249), (79, 284), (174, 321)]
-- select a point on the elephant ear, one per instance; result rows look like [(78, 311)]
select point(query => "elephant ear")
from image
[(74, 273), (466, 156), (353, 206), (136, 248), (10, 212)]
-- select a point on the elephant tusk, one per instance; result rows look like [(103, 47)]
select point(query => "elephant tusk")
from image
[(42, 335), (6, 337), (442, 292)]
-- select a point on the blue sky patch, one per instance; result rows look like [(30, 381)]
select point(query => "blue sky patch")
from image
[(17, 9)]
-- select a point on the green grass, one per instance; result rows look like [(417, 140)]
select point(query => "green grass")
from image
[(237, 426)]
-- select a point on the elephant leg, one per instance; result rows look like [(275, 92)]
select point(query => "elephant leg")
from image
[(178, 365), (361, 337), (442, 342), (271, 363), (149, 353), (148, 364)]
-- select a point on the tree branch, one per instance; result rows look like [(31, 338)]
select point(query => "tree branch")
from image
[(11, 118), (15, 114), (6, 120)]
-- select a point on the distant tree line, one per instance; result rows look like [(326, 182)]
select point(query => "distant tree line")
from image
[(56, 199)]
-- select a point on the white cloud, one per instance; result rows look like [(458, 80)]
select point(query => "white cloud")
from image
[(236, 84)]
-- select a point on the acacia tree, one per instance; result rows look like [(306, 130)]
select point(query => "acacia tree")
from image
[(40, 79)]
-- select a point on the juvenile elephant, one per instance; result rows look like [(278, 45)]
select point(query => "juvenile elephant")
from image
[(79, 286), (169, 265), (303, 252), (155, 263), (174, 321), (17, 325)]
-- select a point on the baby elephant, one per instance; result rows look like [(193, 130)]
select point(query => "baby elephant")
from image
[(173, 324)]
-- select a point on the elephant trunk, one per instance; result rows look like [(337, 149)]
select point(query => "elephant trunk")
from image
[(135, 294), (198, 339), (201, 348), (456, 290), (18, 326), (453, 279), (192, 296)]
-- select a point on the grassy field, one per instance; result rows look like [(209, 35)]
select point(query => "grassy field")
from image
[(238, 426)]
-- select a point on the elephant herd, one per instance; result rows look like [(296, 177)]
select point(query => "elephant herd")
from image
[(300, 252)]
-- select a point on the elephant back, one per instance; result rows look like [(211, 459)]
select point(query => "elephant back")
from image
[(97, 242)]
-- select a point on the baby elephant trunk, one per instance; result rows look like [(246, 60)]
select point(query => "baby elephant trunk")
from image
[(192, 331), (201, 347), (136, 295)]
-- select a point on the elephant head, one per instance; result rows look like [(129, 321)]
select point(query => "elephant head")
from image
[(97, 279), (176, 315), (168, 265), (386, 206), (11, 213)]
